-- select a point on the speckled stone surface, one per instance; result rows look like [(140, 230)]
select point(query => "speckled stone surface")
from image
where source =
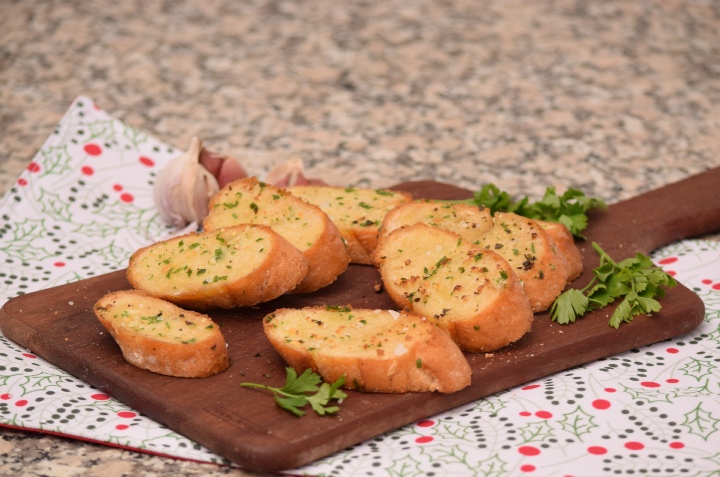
[(614, 97)]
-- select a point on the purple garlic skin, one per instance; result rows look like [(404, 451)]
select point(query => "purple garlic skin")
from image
[(184, 187)]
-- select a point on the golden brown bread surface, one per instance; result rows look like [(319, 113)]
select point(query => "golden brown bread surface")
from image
[(156, 335), (304, 225), (565, 246), (469, 221), (543, 264), (356, 212), (469, 291), (224, 268), (376, 350), (532, 254)]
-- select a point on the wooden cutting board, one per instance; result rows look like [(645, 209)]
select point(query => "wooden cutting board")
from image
[(245, 426)]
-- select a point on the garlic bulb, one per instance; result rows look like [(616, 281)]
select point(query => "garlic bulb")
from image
[(290, 173), (184, 187)]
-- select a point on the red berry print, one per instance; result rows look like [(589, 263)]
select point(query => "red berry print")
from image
[(28, 355), (543, 414), (525, 413), (650, 384), (716, 286), (92, 149), (87, 170), (100, 397), (706, 281), (33, 167), (22, 182), (59, 264), (610, 390), (126, 414), (5, 396), (426, 423), (424, 439), (634, 445), (528, 450), (121, 427), (668, 261), (527, 468), (672, 350), (529, 387), (127, 198), (117, 187), (146, 161), (21, 403), (601, 404), (676, 445), (672, 381), (597, 450)]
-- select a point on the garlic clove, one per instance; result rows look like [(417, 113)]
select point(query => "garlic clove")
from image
[(225, 169), (184, 187), (290, 173)]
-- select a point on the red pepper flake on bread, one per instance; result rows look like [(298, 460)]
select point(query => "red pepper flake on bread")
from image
[(383, 351), (158, 336)]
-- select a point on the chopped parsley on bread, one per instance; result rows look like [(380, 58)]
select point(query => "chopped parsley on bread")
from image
[(356, 212), (234, 266), (304, 225), (532, 254), (158, 336), (469, 291), (383, 351), (542, 254)]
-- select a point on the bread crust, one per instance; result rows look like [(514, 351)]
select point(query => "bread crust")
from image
[(304, 225), (234, 266), (356, 212), (469, 221), (381, 351), (467, 290), (158, 336), (532, 254), (565, 246)]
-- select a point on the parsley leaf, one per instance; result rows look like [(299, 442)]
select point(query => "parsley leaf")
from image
[(569, 209), (296, 393), (636, 280)]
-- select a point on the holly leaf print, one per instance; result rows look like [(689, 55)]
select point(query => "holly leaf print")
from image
[(647, 394), (698, 368), (692, 391), (577, 422), (56, 160), (54, 207), (492, 406), (536, 431), (493, 466), (701, 422), (25, 240)]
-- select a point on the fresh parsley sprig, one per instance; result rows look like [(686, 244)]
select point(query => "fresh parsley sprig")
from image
[(296, 393), (569, 209), (636, 280)]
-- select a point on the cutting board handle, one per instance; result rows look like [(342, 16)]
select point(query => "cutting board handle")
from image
[(685, 209)]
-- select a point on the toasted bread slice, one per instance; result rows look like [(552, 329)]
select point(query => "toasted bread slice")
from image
[(470, 292), (565, 246), (224, 268), (469, 221), (304, 225), (376, 350), (158, 336), (532, 254), (356, 212)]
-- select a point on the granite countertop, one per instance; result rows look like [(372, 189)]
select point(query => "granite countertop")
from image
[(614, 98)]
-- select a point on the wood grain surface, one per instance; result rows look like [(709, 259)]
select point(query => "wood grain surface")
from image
[(245, 426)]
